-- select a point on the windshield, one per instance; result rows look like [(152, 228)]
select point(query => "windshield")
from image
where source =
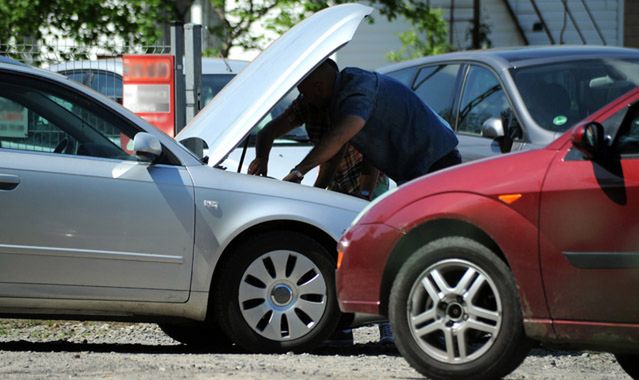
[(560, 94)]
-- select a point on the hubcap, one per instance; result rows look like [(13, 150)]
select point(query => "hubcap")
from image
[(282, 295), (454, 311)]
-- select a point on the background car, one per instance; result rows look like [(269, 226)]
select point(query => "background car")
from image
[(502, 100), (105, 77), (473, 262), (93, 231)]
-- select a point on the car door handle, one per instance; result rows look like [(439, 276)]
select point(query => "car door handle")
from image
[(9, 181)]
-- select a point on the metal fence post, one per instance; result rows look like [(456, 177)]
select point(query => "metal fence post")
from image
[(192, 69), (177, 49), (193, 76)]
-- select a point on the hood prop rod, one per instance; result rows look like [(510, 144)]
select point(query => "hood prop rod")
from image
[(246, 142)]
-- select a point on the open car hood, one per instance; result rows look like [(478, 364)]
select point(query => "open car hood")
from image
[(231, 115)]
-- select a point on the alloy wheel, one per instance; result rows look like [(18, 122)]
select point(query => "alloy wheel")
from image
[(454, 311)]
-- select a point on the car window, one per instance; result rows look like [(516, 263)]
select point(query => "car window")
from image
[(627, 142), (36, 116), (560, 94), (405, 76), (435, 85), (212, 84), (483, 98), (295, 137), (104, 82)]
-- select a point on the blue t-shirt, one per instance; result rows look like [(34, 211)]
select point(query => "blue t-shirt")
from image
[(403, 136)]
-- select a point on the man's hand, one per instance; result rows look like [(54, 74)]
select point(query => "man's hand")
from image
[(295, 176), (292, 178), (258, 166)]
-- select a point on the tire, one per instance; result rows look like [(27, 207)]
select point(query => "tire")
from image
[(277, 293), (455, 312), (629, 363), (201, 336)]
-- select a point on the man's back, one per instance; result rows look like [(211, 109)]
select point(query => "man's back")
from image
[(402, 137)]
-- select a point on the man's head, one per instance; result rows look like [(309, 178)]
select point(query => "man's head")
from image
[(317, 87)]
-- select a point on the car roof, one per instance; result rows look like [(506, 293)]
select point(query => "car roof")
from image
[(114, 65), (5, 59), (522, 56)]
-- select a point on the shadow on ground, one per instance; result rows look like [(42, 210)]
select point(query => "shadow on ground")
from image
[(368, 349)]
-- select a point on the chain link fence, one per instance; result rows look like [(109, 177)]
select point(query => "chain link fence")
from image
[(95, 67), (59, 51)]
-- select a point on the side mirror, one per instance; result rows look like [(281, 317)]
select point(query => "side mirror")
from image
[(589, 139), (147, 146), (492, 128)]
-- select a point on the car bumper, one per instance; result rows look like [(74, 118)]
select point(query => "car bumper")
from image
[(364, 252)]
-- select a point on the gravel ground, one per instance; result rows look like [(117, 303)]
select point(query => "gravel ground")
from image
[(79, 350)]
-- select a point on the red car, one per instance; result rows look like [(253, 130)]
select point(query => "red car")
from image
[(473, 264)]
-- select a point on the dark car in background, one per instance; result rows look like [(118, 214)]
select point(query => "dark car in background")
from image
[(503, 100), (473, 263)]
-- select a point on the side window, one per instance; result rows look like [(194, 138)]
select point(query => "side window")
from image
[(104, 82), (435, 86), (627, 142), (212, 84), (295, 137), (24, 130), (36, 117), (483, 98), (107, 83), (405, 76)]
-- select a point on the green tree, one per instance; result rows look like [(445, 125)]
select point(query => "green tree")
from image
[(104, 23), (86, 21), (428, 36)]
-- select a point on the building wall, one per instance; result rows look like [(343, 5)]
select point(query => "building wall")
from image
[(606, 14), (372, 42)]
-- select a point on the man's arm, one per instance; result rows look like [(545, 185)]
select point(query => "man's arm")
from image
[(327, 170), (265, 137), (329, 146)]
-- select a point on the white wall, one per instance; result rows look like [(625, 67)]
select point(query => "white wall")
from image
[(371, 43)]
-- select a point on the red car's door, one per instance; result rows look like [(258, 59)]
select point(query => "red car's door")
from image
[(589, 230)]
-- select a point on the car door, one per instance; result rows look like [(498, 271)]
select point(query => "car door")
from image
[(589, 228), (82, 217), (483, 101)]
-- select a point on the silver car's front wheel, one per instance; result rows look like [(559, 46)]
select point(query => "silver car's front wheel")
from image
[(455, 312), (276, 293), (283, 295)]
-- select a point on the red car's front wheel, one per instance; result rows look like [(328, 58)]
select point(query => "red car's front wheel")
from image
[(455, 312)]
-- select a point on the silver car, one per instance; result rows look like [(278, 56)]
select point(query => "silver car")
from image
[(510, 99), (105, 76), (91, 229)]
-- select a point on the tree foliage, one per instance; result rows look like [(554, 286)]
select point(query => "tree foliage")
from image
[(105, 23), (85, 21), (427, 36)]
